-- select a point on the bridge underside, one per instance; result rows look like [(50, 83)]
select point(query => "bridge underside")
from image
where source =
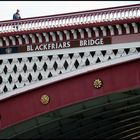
[(111, 116)]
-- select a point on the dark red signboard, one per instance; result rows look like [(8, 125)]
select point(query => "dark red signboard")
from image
[(57, 45)]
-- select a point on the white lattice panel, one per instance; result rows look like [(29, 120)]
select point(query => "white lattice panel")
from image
[(20, 72)]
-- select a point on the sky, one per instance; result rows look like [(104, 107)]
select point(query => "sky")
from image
[(44, 8)]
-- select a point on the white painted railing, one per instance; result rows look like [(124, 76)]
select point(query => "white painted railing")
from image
[(64, 20)]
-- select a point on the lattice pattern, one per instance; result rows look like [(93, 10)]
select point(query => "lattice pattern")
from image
[(19, 72)]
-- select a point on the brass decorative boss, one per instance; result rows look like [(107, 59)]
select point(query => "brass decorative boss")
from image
[(45, 99), (97, 83)]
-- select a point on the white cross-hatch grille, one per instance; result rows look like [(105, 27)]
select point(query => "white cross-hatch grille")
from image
[(19, 72)]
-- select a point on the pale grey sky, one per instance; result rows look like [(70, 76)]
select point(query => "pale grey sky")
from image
[(43, 8)]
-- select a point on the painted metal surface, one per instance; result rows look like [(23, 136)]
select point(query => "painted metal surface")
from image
[(77, 86), (77, 89)]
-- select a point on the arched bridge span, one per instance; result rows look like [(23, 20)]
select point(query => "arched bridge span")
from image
[(71, 61)]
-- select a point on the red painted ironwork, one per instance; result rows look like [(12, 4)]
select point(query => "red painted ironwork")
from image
[(70, 91)]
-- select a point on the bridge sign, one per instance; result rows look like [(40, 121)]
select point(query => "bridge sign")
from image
[(56, 45)]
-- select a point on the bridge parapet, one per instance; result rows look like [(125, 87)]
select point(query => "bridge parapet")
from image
[(26, 71), (40, 57), (72, 19)]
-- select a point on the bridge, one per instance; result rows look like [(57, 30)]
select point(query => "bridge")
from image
[(73, 75)]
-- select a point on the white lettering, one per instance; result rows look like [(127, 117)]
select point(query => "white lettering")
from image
[(49, 46), (68, 44), (41, 47), (37, 48), (97, 41), (53, 46), (81, 43), (101, 41), (60, 46), (64, 45), (29, 48), (45, 46), (85, 42), (91, 42)]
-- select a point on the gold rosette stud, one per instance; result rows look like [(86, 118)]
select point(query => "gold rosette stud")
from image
[(97, 83), (45, 99)]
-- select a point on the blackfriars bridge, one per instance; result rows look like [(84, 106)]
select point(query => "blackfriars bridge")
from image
[(73, 75)]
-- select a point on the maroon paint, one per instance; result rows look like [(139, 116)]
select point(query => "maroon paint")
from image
[(126, 38), (69, 91)]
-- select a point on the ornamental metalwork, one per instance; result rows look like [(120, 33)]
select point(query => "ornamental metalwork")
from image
[(97, 83), (45, 99)]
